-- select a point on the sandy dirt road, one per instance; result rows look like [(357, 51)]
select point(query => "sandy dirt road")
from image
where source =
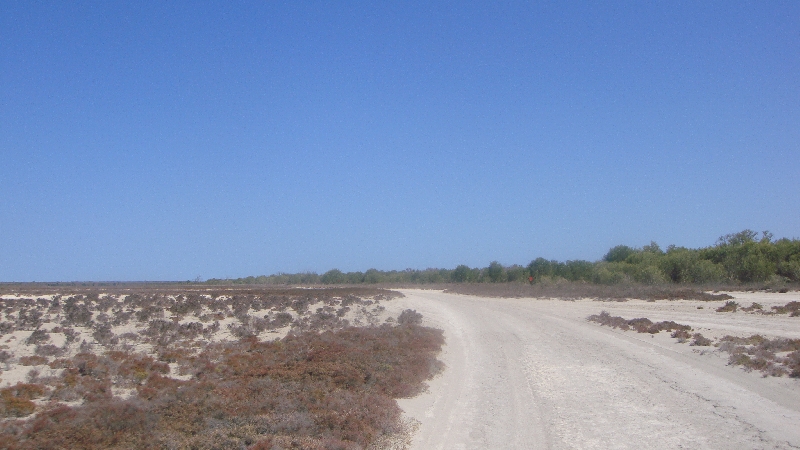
[(526, 373)]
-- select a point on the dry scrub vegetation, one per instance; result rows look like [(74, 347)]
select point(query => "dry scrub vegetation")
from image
[(772, 357), (198, 368), (576, 290)]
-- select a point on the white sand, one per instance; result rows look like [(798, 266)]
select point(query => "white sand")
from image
[(527, 373), (15, 342)]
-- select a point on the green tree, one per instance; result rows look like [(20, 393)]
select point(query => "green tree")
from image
[(333, 276), (618, 254), (461, 274), (496, 272)]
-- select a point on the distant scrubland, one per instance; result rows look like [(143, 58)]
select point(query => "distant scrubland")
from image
[(745, 257)]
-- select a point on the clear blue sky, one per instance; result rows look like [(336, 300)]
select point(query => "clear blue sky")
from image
[(166, 140)]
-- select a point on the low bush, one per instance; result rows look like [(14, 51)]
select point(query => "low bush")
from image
[(409, 316), (49, 350), (34, 360), (641, 325), (728, 307), (681, 335), (15, 401), (700, 340), (38, 337), (791, 308), (759, 353), (753, 307)]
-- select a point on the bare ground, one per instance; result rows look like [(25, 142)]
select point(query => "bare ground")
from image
[(534, 373)]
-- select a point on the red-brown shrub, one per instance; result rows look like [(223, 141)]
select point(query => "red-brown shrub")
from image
[(330, 390)]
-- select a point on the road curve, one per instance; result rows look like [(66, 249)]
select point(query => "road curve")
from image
[(530, 374)]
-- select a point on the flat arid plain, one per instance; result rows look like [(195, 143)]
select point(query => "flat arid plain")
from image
[(535, 373), (513, 373)]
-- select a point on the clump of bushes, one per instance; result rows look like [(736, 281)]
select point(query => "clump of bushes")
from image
[(38, 337), (791, 308), (773, 357), (759, 353), (728, 307), (753, 307), (33, 360), (15, 401), (409, 316), (700, 340), (641, 325), (681, 335)]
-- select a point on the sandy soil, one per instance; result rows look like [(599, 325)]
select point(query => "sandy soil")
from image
[(12, 371), (532, 373)]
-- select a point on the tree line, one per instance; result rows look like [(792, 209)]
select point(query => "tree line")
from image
[(743, 257)]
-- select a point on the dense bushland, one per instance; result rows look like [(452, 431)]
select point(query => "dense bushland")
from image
[(742, 257)]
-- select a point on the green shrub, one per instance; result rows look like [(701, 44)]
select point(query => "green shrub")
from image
[(649, 275), (496, 272), (618, 254), (333, 276), (609, 273), (461, 274)]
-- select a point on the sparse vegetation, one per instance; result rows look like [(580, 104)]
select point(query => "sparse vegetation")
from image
[(15, 401), (700, 340), (168, 374), (728, 307), (791, 308), (641, 325), (772, 357)]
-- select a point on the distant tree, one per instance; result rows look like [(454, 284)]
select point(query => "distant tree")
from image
[(740, 238), (461, 274), (618, 254), (496, 272), (333, 276), (541, 267), (372, 276), (516, 273), (578, 270), (652, 248)]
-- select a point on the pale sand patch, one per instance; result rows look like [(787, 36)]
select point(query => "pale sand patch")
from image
[(532, 373), (129, 333)]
